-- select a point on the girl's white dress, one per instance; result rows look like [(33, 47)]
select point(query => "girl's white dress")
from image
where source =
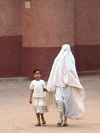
[(38, 98), (64, 82)]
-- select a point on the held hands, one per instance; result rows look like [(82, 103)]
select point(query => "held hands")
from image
[(45, 90)]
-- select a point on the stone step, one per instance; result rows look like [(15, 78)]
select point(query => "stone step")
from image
[(14, 79)]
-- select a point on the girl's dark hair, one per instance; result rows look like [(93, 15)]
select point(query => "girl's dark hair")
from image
[(36, 70)]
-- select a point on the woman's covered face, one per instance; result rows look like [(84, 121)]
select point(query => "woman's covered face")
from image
[(66, 47)]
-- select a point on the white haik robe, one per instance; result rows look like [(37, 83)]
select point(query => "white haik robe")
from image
[(64, 81)]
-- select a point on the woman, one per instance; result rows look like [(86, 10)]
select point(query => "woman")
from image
[(63, 80)]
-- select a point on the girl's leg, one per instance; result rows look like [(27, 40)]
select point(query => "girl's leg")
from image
[(42, 118), (38, 118)]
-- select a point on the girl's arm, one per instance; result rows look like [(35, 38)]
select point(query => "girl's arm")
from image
[(31, 93)]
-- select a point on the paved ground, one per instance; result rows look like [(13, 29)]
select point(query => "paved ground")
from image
[(17, 115)]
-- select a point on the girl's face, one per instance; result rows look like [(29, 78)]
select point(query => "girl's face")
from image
[(37, 75)]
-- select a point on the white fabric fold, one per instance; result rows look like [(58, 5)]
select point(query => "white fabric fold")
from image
[(63, 73), (63, 70)]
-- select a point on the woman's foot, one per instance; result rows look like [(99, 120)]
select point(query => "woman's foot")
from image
[(60, 122), (38, 124), (61, 119), (65, 122), (65, 125)]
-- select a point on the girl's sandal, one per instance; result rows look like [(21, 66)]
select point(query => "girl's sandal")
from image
[(38, 124), (43, 122)]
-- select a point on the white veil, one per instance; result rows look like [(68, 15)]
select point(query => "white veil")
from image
[(64, 72)]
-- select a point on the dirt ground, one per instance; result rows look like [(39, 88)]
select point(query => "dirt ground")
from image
[(17, 115)]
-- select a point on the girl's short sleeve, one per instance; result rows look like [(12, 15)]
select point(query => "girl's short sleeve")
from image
[(44, 84), (31, 86)]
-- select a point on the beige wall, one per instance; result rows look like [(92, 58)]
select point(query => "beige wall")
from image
[(31, 38), (10, 38), (49, 23), (10, 17), (87, 22)]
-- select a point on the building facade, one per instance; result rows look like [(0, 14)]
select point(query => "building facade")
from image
[(33, 31)]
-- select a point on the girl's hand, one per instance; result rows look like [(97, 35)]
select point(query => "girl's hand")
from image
[(30, 101), (31, 93)]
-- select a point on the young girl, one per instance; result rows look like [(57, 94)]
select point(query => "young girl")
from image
[(38, 88), (64, 81)]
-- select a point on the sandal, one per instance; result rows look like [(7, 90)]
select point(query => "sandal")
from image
[(38, 124), (65, 125), (43, 122), (59, 124)]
